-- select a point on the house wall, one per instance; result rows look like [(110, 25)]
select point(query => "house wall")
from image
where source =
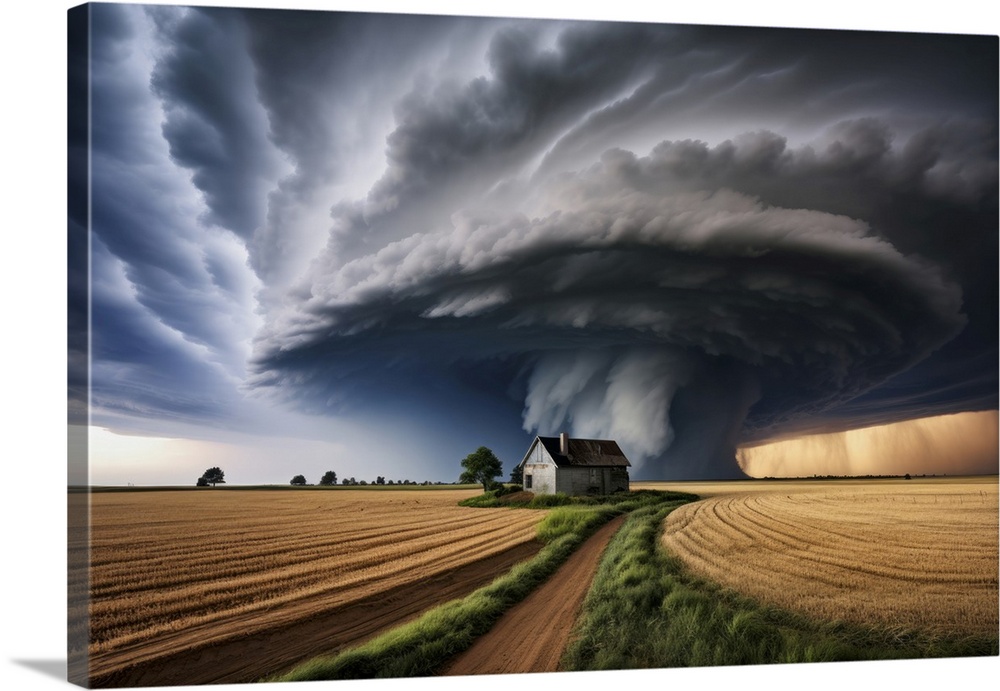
[(543, 477), (601, 480), (618, 480), (570, 480), (542, 469)]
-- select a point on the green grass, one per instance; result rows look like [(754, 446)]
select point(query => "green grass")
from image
[(424, 645), (644, 611)]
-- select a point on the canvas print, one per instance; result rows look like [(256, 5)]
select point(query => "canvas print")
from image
[(411, 345)]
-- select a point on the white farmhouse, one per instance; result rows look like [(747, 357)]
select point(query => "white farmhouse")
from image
[(574, 466)]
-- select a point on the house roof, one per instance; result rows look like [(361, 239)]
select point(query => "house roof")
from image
[(586, 452)]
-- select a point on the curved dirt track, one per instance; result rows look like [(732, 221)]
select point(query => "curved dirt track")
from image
[(258, 655), (532, 636)]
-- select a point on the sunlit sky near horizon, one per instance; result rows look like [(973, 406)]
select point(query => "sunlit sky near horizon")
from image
[(959, 444), (373, 243)]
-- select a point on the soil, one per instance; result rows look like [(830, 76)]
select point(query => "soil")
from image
[(521, 497), (174, 660), (532, 636)]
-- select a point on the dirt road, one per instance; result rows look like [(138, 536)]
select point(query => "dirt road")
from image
[(531, 637), (255, 656)]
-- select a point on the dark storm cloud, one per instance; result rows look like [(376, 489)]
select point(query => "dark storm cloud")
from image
[(455, 140), (169, 298), (693, 298), (567, 92), (77, 268), (211, 121), (141, 367), (680, 237), (307, 68), (169, 273), (531, 91), (328, 81), (798, 80), (650, 281)]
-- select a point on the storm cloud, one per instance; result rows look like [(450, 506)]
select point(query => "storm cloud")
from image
[(684, 238), (639, 280)]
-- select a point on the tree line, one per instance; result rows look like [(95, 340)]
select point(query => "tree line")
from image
[(216, 476), (330, 478), (481, 467)]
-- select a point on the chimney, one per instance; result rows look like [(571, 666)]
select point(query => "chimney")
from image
[(564, 444)]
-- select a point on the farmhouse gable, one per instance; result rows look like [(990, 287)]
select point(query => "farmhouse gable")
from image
[(574, 466)]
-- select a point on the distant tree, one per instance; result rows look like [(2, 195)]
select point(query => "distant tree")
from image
[(907, 476), (364, 482), (379, 480), (481, 467), (329, 478), (202, 482), (214, 476), (517, 475), (299, 480)]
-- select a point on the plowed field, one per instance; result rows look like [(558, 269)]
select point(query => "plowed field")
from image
[(902, 554), (195, 570)]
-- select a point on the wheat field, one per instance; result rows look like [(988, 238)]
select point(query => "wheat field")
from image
[(169, 561), (919, 554)]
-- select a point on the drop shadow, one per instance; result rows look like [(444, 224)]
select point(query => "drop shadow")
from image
[(50, 668)]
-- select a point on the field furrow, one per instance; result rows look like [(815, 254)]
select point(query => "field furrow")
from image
[(898, 554), (166, 562)]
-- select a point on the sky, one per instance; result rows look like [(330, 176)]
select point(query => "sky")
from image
[(374, 242), (34, 304)]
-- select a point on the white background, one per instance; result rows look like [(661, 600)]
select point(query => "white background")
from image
[(33, 328)]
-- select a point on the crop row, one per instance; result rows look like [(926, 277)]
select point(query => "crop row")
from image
[(905, 556), (172, 561)]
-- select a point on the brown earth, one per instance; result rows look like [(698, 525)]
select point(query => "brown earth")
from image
[(521, 497), (187, 659), (532, 636)]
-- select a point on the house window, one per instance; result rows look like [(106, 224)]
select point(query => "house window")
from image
[(527, 482), (593, 476)]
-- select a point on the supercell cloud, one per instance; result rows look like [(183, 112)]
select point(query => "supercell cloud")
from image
[(633, 286), (684, 238)]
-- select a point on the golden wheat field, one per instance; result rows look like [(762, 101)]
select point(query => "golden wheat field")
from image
[(166, 561), (918, 554)]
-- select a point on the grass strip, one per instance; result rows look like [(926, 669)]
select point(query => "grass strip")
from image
[(644, 611), (420, 647)]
